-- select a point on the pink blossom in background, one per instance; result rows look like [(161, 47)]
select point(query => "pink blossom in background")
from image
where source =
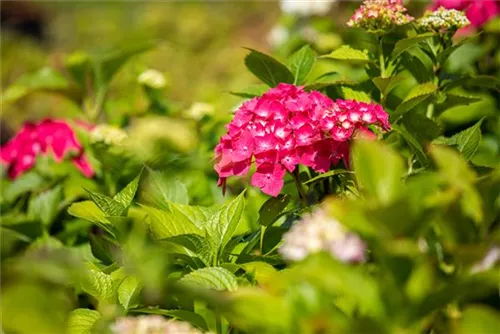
[(288, 126), (477, 11), (54, 137)]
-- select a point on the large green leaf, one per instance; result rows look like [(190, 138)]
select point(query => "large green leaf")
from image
[(159, 188), (109, 206), (194, 245), (127, 194), (479, 319), (271, 208), (454, 100), (417, 95), (215, 278), (467, 141), (412, 142), (128, 292), (82, 321), (301, 63), (268, 69), (45, 205), (164, 224), (378, 171), (89, 211), (98, 284), (349, 55), (45, 79), (386, 85), (25, 183), (251, 91), (405, 44), (350, 94), (222, 225)]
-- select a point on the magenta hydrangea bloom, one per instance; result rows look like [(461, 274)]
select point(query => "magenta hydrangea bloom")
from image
[(54, 137), (477, 11), (288, 126)]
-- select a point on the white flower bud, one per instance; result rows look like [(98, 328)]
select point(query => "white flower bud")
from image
[(153, 79)]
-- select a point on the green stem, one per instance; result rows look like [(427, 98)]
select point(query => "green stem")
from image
[(298, 184), (381, 58), (262, 232), (218, 321)]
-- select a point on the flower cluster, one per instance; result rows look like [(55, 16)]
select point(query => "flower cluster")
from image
[(151, 324), (108, 135), (54, 136), (287, 126), (153, 79), (379, 15), (478, 11), (318, 232), (443, 19)]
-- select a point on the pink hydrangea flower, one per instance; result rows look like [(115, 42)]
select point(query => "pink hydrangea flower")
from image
[(54, 137), (477, 11), (288, 126), (379, 15)]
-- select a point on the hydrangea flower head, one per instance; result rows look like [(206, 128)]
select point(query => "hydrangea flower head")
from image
[(443, 19), (379, 15), (478, 11), (287, 126), (54, 137), (319, 232), (107, 134), (151, 324)]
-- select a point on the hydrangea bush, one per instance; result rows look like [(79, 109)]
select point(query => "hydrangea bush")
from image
[(359, 193)]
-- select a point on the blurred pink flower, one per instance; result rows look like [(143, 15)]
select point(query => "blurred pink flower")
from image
[(478, 11), (48, 136), (288, 126), (379, 15)]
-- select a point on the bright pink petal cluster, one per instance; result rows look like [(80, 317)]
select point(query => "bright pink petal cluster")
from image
[(288, 126), (477, 11), (48, 136), (379, 15)]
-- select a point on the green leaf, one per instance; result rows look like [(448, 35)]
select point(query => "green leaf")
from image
[(164, 224), (82, 320), (215, 278), (262, 271), (45, 206), (98, 284), (421, 127), (109, 206), (196, 245), (327, 175), (25, 183), (405, 44), (252, 91), (159, 188), (416, 96), (301, 63), (128, 292), (386, 85), (267, 69), (351, 94), (127, 194), (378, 171), (45, 79), (89, 211), (271, 208), (191, 317), (453, 100), (417, 68), (479, 319), (222, 225), (485, 81), (349, 55), (466, 141), (414, 144)]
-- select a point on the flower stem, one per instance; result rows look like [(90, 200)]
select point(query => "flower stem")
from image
[(298, 184), (430, 110), (381, 58)]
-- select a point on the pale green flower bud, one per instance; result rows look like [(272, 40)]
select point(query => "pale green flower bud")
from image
[(153, 79)]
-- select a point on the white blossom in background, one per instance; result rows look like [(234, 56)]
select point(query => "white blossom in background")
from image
[(491, 258), (277, 36), (306, 7), (443, 19), (318, 232), (153, 79), (151, 324), (108, 135), (198, 110)]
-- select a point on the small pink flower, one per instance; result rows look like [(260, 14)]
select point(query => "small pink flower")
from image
[(54, 137), (288, 126)]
